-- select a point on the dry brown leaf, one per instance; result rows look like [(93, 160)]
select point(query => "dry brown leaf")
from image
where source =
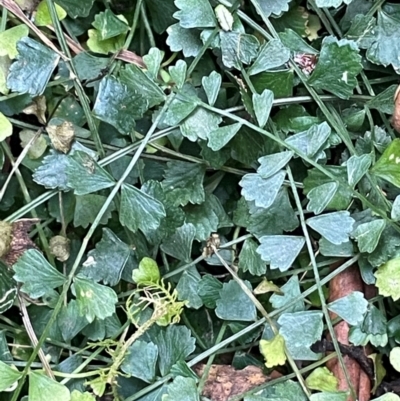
[(37, 108), (396, 112), (61, 136), (224, 381)]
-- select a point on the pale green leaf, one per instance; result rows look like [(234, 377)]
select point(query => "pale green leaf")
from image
[(185, 40), (37, 274), (331, 3), (153, 62), (6, 127), (273, 351), (78, 396), (350, 308), (182, 389), (388, 279), (43, 388), (8, 376), (345, 249), (320, 197), (94, 300), (43, 17), (271, 164), (96, 45), (357, 167), (147, 272), (250, 260), (199, 124), (37, 147), (368, 234), (178, 73), (9, 39), (387, 166), (300, 330), (262, 191), (291, 291), (322, 379), (179, 245), (394, 358), (330, 396), (195, 14), (395, 212), (280, 251), (218, 138), (262, 105), (335, 227), (109, 25), (234, 304), (272, 54), (212, 85), (388, 397), (268, 7)]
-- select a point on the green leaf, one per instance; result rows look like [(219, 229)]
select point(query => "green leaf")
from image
[(199, 124), (395, 212), (179, 245), (291, 291), (42, 387), (293, 41), (345, 249), (337, 68), (195, 14), (87, 208), (336, 4), (6, 127), (78, 396), (387, 166), (218, 138), (234, 304), (153, 62), (183, 183), (268, 7), (43, 17), (37, 274), (208, 289), (272, 54), (8, 290), (388, 279), (188, 288), (76, 8), (96, 45), (133, 77), (70, 322), (185, 40), (384, 100), (261, 190), (8, 376), (147, 272), (300, 330), (368, 234), (111, 105), (212, 85), (94, 300), (139, 210), (280, 251), (182, 389), (335, 227), (106, 262), (271, 164), (250, 260), (273, 351), (9, 39), (109, 25), (85, 176), (238, 48), (350, 308), (320, 197), (178, 73), (383, 48), (322, 379), (174, 344), (330, 396), (357, 167), (262, 105), (388, 397), (32, 69), (161, 14), (140, 361)]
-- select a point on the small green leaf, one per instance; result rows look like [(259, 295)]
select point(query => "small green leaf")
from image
[(9, 39), (250, 260), (153, 62), (238, 48), (43, 17), (268, 7), (6, 127), (188, 288), (271, 164), (335, 227), (195, 14), (78, 396), (37, 274), (69, 321), (384, 100), (140, 361), (182, 389), (199, 124), (395, 213), (295, 43), (94, 300), (394, 358), (273, 351), (234, 304), (357, 167), (109, 25), (147, 272), (350, 308), (76, 8), (387, 166), (300, 330), (336, 4), (212, 85), (178, 73), (262, 191), (85, 176), (106, 262), (42, 388), (185, 40), (330, 396), (179, 245), (208, 289), (322, 379), (87, 208), (221, 136), (320, 197), (368, 234), (262, 105), (388, 279), (280, 251), (338, 65), (37, 147), (112, 102), (139, 210), (8, 376), (96, 45), (31, 71), (272, 54)]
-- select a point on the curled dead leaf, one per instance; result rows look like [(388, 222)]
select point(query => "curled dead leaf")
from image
[(60, 247), (61, 136), (37, 108)]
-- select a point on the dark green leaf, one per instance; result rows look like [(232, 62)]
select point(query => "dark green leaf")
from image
[(88, 66), (208, 289), (179, 245), (295, 43), (320, 197), (76, 8), (182, 389), (384, 101), (161, 14), (195, 14), (8, 376), (368, 234), (250, 260), (87, 207), (70, 322), (188, 288), (221, 136), (387, 167), (279, 82), (108, 25)]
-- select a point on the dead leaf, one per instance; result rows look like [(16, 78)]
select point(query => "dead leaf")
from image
[(61, 136), (60, 247), (224, 381), (37, 108), (396, 114)]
